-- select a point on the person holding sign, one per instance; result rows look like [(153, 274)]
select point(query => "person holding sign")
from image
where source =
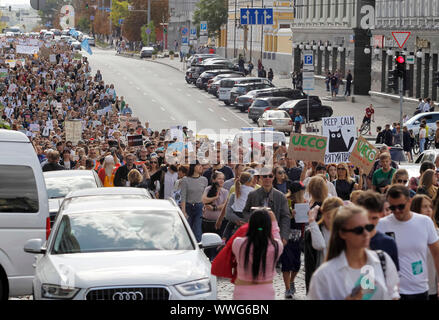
[(317, 235)]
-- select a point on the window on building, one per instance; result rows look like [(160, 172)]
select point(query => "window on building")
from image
[(321, 8), (336, 9), (345, 5), (314, 9), (329, 9), (390, 4)]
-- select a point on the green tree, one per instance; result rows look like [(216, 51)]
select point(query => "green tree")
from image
[(119, 11), (212, 11), (144, 35), (84, 24)]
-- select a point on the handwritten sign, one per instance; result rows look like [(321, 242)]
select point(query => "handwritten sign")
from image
[(363, 155), (341, 133), (73, 130), (307, 147)]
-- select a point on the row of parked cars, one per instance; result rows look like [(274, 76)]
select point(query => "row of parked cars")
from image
[(63, 236), (259, 97)]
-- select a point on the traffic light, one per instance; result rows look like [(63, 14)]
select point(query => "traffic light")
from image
[(400, 66), (436, 78), (392, 80), (165, 30), (86, 6)]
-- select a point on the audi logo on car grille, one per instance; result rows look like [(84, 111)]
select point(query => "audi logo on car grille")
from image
[(133, 295)]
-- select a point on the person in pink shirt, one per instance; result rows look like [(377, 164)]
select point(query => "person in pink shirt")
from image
[(256, 256)]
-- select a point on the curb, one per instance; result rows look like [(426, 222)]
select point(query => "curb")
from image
[(134, 56)]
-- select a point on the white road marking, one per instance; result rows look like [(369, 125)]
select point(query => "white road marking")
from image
[(223, 119), (145, 94), (211, 110), (199, 101), (188, 94), (178, 89), (137, 88), (172, 118), (163, 109), (153, 100)]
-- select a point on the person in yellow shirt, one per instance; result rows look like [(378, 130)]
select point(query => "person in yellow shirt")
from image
[(106, 174)]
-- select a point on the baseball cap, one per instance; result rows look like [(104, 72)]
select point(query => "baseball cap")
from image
[(297, 186)]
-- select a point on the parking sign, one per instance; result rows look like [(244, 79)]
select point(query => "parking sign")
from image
[(308, 60)]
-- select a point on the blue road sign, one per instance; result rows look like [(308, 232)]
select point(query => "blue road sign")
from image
[(120, 21), (203, 26), (184, 41), (148, 31), (308, 60), (92, 18), (256, 16), (108, 9), (193, 31), (184, 31)]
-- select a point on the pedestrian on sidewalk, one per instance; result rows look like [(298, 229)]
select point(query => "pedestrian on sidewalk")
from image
[(348, 84), (259, 65), (298, 120), (262, 73), (270, 74), (250, 67), (328, 80), (241, 63), (293, 79)]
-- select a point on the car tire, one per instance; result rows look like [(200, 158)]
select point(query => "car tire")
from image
[(3, 288), (227, 103), (255, 121)]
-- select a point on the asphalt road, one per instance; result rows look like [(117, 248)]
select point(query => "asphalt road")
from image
[(160, 95)]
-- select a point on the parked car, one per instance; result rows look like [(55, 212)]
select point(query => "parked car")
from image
[(244, 102), (91, 40), (427, 155), (244, 88), (119, 248), (260, 105), (60, 183), (213, 84), (76, 45), (200, 57), (24, 212), (211, 65), (203, 79), (430, 117), (316, 110), (278, 119), (146, 52), (49, 35), (227, 85)]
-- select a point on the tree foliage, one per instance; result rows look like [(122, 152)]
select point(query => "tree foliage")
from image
[(119, 11), (152, 35), (83, 24), (212, 11)]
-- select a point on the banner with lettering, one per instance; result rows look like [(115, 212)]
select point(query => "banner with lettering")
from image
[(307, 147), (341, 134), (363, 155)]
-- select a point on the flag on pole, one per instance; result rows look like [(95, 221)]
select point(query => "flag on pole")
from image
[(86, 46), (73, 32)]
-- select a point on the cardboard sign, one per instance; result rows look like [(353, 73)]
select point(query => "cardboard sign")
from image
[(307, 147), (134, 141), (44, 52), (363, 155), (4, 73), (77, 56), (73, 130), (341, 133)]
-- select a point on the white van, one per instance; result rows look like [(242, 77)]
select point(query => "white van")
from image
[(226, 86), (24, 212)]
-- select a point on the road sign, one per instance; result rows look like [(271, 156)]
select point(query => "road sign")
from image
[(185, 49), (120, 21), (108, 9), (410, 59), (401, 38), (308, 60), (184, 41), (256, 16), (193, 34), (308, 80), (184, 31), (148, 31), (203, 27), (92, 18)]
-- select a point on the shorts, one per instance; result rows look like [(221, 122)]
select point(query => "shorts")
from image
[(290, 258), (254, 292), (366, 120)]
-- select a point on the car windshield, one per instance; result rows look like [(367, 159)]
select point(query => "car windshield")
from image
[(59, 187), (238, 89), (260, 104), (111, 231), (278, 115)]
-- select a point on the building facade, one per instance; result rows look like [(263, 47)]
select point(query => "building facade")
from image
[(180, 15), (270, 43)]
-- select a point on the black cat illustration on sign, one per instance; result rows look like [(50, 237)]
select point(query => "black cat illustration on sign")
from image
[(337, 143)]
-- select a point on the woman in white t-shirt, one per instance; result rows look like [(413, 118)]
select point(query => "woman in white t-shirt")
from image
[(422, 204), (422, 136), (351, 270)]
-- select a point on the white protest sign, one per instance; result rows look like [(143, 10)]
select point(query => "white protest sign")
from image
[(52, 58), (49, 124), (341, 134), (46, 132), (73, 130), (27, 49), (176, 132), (34, 127)]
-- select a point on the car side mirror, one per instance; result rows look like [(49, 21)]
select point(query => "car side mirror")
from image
[(416, 122), (210, 240), (34, 246)]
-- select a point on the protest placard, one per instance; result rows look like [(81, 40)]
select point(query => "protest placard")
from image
[(341, 135), (4, 73), (132, 122), (11, 62), (73, 130), (307, 147), (23, 49), (363, 155), (34, 127), (52, 58), (176, 132), (134, 141)]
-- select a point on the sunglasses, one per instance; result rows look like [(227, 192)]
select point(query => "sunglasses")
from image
[(280, 172), (402, 181), (267, 176), (341, 168), (153, 162), (400, 207), (360, 229)]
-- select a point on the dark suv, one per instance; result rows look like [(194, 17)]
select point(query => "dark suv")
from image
[(244, 102), (316, 110), (210, 65), (244, 88), (261, 104)]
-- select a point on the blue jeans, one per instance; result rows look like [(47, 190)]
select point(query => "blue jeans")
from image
[(421, 145), (194, 212)]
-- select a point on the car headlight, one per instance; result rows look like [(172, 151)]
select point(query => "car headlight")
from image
[(53, 291), (194, 287)]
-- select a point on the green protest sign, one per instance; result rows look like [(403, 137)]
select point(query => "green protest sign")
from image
[(363, 155), (307, 147)]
